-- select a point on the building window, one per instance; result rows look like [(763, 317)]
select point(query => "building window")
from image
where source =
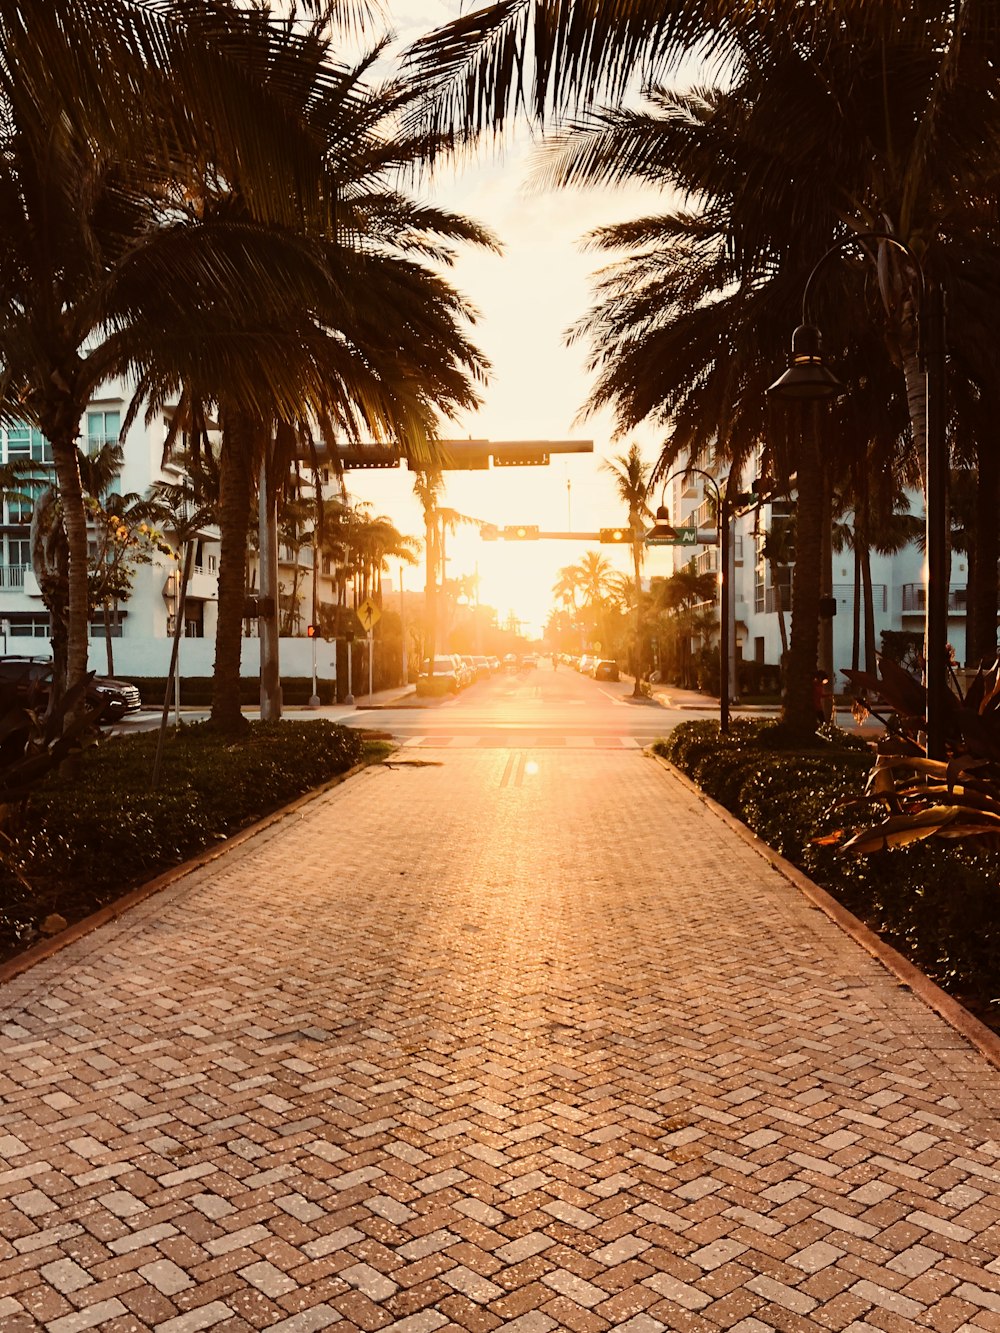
[(103, 427), (21, 501), (24, 441), (30, 627), (97, 628)]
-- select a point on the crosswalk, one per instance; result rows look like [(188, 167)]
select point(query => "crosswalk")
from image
[(526, 740)]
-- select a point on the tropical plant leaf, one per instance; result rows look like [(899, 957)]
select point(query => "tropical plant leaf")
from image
[(899, 830)]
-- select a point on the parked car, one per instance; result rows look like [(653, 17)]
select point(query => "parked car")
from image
[(441, 677), (26, 681), (529, 661), (482, 666), (605, 670), (465, 676), (469, 662), (585, 663)]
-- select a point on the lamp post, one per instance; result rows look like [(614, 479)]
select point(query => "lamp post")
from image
[(663, 532), (807, 377)]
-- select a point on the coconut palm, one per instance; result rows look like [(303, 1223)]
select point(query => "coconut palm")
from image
[(428, 487), (683, 596), (366, 338), (541, 58), (852, 119), (99, 123), (594, 573), (777, 547), (632, 482)]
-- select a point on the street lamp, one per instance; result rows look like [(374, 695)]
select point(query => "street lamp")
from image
[(663, 532), (808, 378)]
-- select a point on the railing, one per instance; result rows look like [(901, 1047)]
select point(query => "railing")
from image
[(915, 599), (12, 576), (844, 593)]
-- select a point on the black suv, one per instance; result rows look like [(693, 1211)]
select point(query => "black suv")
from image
[(25, 681)]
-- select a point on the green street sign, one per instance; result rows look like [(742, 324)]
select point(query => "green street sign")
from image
[(681, 537)]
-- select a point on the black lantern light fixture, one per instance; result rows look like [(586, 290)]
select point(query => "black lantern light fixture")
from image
[(808, 376)]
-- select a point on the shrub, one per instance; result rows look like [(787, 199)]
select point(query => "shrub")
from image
[(936, 902), (88, 837)]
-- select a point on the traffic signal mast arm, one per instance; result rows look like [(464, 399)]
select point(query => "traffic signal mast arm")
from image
[(522, 532)]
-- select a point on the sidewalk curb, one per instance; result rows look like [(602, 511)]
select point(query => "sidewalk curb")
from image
[(986, 1042), (38, 953)]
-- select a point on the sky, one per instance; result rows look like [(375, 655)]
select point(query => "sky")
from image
[(527, 298)]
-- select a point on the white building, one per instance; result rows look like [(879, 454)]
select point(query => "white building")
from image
[(144, 625), (898, 581)]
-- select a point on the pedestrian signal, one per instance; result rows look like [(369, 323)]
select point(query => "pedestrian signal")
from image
[(614, 535), (489, 532), (310, 631)]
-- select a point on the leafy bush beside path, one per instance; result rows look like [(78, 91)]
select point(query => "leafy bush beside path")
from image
[(937, 903), (91, 834)]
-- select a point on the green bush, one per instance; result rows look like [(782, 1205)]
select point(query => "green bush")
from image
[(935, 902), (88, 836), (196, 691)]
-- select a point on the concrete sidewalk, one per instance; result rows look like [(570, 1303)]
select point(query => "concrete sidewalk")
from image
[(491, 1039)]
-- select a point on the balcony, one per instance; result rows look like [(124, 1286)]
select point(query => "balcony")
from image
[(12, 576), (915, 600)]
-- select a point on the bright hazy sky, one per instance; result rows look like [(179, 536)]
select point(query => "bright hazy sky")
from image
[(527, 298)]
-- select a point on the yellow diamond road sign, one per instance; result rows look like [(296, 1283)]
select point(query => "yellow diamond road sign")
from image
[(368, 614)]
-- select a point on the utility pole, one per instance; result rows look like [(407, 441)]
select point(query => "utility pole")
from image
[(402, 627), (270, 673)]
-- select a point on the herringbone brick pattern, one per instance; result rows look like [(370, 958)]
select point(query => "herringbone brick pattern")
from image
[(514, 1041)]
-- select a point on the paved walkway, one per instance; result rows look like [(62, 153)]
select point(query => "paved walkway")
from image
[(510, 1040)]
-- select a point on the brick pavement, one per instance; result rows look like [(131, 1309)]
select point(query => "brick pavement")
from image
[(520, 1041)]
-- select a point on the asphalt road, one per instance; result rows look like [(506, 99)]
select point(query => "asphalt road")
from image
[(537, 706), (540, 706)]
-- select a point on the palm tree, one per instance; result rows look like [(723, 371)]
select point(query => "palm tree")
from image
[(778, 547), (543, 58), (594, 573), (632, 484), (849, 119), (365, 338), (96, 130), (428, 487), (124, 536), (683, 596)]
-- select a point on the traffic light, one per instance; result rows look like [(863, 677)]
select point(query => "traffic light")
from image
[(310, 631), (614, 536), (523, 532)]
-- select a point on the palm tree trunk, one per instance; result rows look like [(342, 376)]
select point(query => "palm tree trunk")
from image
[(430, 587), (62, 437), (175, 649), (799, 714), (987, 552), (856, 603), (234, 529), (916, 402), (109, 652), (637, 565), (869, 596), (267, 624)]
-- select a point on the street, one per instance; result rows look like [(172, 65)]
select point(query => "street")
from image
[(534, 707)]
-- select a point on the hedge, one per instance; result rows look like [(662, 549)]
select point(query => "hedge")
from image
[(88, 836), (937, 902)]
